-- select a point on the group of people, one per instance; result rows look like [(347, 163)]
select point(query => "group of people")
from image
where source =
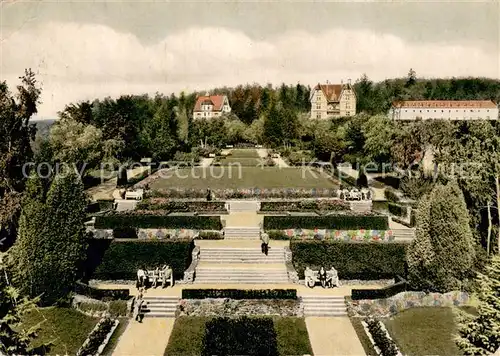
[(327, 278), (354, 194), (139, 303), (143, 277)]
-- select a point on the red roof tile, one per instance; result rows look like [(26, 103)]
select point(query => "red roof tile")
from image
[(331, 91), (486, 104), (215, 100)]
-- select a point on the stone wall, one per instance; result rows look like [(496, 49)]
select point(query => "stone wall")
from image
[(402, 301), (231, 308)]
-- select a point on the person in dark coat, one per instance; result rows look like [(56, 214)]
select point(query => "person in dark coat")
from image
[(322, 276)]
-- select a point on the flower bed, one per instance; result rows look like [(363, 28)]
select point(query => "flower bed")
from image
[(380, 338), (239, 293), (224, 307), (185, 206), (209, 235), (305, 205), (333, 235), (337, 222), (98, 338), (405, 300), (243, 193)]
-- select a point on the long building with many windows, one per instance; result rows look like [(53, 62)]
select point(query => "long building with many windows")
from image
[(444, 110)]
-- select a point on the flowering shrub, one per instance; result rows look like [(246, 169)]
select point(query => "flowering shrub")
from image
[(243, 193), (193, 206), (387, 346), (305, 205)]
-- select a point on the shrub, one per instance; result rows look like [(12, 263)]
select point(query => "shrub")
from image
[(356, 260), (362, 181), (391, 195), (278, 235), (118, 308), (338, 222), (398, 210), (145, 219), (125, 233), (387, 346), (382, 293), (239, 293), (241, 336), (210, 235), (101, 294), (122, 259), (96, 337), (391, 181), (92, 306), (185, 206), (305, 205)]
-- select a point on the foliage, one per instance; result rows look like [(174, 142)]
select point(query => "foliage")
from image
[(156, 219), (357, 260), (480, 335), (122, 259), (398, 210), (391, 195), (305, 205), (186, 206), (210, 235), (239, 293), (339, 222), (118, 308), (51, 244), (240, 336), (97, 337), (278, 235), (362, 181), (387, 346), (101, 293), (442, 253)]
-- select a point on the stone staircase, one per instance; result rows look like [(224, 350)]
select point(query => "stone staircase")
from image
[(403, 235), (160, 306), (240, 273), (242, 232), (238, 206), (242, 255), (324, 305), (361, 206)]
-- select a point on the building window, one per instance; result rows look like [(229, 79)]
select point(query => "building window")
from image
[(488, 110), (318, 115), (487, 117), (318, 107)]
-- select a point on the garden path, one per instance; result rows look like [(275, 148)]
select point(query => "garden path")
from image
[(331, 336), (105, 190), (149, 338), (206, 162)]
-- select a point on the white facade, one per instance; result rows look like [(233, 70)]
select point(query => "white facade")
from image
[(332, 100), (208, 107), (444, 110)]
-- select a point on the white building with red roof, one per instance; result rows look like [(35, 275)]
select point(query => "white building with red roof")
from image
[(333, 100), (209, 106), (444, 110)]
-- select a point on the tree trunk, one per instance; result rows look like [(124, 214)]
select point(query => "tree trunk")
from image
[(489, 230), (498, 211)]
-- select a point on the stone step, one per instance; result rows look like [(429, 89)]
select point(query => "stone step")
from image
[(241, 281), (321, 314)]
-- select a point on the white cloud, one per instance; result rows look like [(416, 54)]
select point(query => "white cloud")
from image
[(78, 62)]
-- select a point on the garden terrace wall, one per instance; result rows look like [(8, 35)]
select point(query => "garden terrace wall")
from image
[(305, 205), (400, 286), (337, 222), (146, 219), (353, 260), (184, 206), (333, 235), (239, 293), (120, 260), (101, 294)]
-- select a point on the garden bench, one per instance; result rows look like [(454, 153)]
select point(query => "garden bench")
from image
[(163, 277), (312, 277), (135, 194)]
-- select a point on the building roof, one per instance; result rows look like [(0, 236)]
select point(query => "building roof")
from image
[(215, 100), (331, 91), (480, 104)]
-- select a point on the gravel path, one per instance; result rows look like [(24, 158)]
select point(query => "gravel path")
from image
[(333, 336)]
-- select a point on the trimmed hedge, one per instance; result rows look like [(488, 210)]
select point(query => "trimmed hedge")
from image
[(210, 235), (122, 259), (125, 233), (305, 205), (391, 195), (397, 209), (352, 260), (101, 294), (241, 336), (382, 293), (387, 346), (278, 235), (97, 337), (239, 293), (185, 206), (338, 222), (140, 219)]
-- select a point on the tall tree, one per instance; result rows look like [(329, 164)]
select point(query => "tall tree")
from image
[(480, 335), (51, 244)]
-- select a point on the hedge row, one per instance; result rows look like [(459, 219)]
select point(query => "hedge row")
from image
[(390, 194), (382, 293), (398, 210), (101, 294), (141, 219), (185, 206), (366, 261), (305, 205), (338, 222), (210, 235), (97, 337), (239, 293), (387, 346), (120, 260)]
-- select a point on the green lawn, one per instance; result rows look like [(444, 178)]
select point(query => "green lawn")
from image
[(65, 327), (424, 331), (186, 338), (244, 153), (244, 177), (236, 161)]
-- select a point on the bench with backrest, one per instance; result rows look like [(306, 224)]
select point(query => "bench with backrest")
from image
[(312, 277), (162, 276), (135, 194)]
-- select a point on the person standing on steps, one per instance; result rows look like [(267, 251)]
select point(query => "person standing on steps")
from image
[(265, 242)]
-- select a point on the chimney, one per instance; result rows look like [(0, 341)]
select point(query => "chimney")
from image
[(207, 93)]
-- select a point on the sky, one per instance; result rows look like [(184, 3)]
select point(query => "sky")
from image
[(83, 50)]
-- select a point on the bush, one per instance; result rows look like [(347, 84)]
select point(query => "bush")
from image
[(96, 337), (241, 336), (144, 219), (278, 235), (362, 181), (122, 259), (390, 181), (387, 346), (356, 260), (118, 308), (93, 307), (177, 206), (338, 222), (305, 205), (398, 210), (210, 235), (93, 208), (239, 293), (101, 294), (299, 158), (382, 293), (391, 195), (125, 233)]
